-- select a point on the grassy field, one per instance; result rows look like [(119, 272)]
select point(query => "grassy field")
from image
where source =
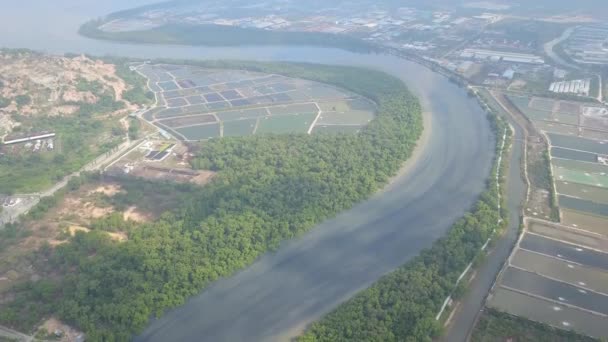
[(558, 128), (239, 128), (495, 326), (286, 124), (522, 103), (542, 104), (337, 129), (581, 177), (594, 134), (335, 106), (294, 108), (565, 118), (580, 166), (593, 193), (250, 95), (242, 114), (200, 132), (348, 118)]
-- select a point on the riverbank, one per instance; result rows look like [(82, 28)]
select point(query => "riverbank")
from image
[(374, 238), (366, 242), (417, 153)]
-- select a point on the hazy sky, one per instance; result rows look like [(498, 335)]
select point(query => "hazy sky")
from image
[(32, 23)]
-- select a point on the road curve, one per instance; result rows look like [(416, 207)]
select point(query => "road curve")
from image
[(276, 297)]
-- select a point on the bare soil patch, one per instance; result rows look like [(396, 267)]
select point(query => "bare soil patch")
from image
[(59, 331), (133, 214)]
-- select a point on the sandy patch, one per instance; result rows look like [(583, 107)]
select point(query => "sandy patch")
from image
[(63, 110), (75, 207), (203, 177), (116, 236), (65, 333), (74, 229), (107, 189), (133, 214)]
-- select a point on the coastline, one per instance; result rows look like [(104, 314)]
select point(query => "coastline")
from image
[(417, 152)]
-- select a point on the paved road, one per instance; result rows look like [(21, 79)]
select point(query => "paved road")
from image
[(15, 335), (276, 297), (549, 46), (471, 304)]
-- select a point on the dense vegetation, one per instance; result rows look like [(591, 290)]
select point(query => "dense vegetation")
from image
[(138, 91), (268, 188), (218, 35), (498, 326), (402, 305), (4, 102), (28, 172)]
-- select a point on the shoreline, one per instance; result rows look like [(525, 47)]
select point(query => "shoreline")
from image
[(417, 152), (404, 171)]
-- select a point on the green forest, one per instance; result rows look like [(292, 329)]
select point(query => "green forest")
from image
[(217, 35), (499, 326), (402, 305), (268, 188)]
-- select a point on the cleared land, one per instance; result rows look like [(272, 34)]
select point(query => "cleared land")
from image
[(194, 97)]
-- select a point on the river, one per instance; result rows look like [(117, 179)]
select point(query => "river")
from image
[(277, 296)]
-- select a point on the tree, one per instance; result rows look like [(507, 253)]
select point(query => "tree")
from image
[(23, 100)]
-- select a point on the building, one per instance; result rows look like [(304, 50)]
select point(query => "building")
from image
[(498, 56), (508, 74), (29, 138), (577, 87)]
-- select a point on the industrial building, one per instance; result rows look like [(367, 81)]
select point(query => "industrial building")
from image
[(501, 56), (578, 87), (29, 138)]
